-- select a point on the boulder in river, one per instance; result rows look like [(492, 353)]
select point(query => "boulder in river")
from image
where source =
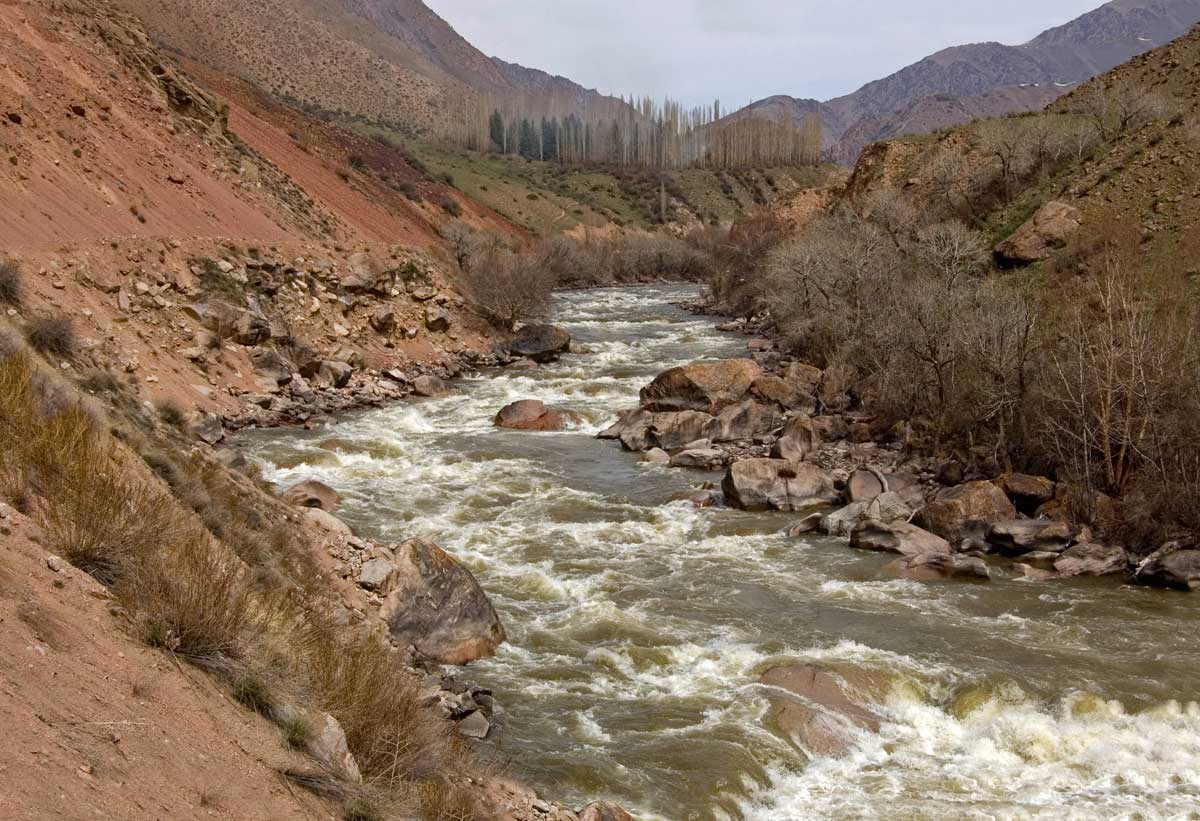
[(1016, 537), (1172, 567), (744, 421), (897, 537), (709, 458), (1092, 559), (929, 567), (776, 484), (709, 387), (530, 415), (671, 431), (604, 811), (312, 493), (541, 343), (437, 607), (956, 511), (819, 707), (430, 386)]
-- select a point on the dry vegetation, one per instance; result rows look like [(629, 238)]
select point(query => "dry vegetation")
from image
[(203, 572), (1086, 367)]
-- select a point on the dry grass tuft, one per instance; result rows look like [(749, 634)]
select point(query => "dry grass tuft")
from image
[(11, 285), (53, 336)]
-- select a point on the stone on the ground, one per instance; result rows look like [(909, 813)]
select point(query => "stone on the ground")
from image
[(329, 747), (803, 377), (208, 428), (1092, 559), (1172, 567), (1046, 231), (540, 343), (744, 421), (332, 374), (383, 320), (777, 484), (897, 537), (955, 512), (437, 320), (475, 725), (326, 523), (312, 493), (798, 440), (709, 387), (819, 707), (530, 415), (438, 608), (251, 329), (376, 575)]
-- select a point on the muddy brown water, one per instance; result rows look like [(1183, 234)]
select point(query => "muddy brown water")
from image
[(638, 626)]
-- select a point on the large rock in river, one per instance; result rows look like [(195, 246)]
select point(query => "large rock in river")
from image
[(776, 484), (1172, 567), (541, 343), (956, 511), (532, 415), (818, 706), (1092, 559), (671, 431), (437, 607), (897, 537), (709, 387), (743, 421)]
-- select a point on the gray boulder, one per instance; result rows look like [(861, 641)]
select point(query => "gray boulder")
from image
[(312, 493), (540, 343), (1172, 567), (709, 387), (1092, 559), (744, 421), (897, 537), (798, 440)]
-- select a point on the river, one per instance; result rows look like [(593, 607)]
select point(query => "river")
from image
[(638, 625)]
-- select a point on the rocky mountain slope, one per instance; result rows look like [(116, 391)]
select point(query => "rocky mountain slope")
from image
[(389, 61), (987, 79)]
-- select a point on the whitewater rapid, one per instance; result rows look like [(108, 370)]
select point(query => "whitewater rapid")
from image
[(638, 625)]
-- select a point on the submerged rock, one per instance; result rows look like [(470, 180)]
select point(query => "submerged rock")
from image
[(438, 608), (777, 484), (709, 387), (816, 706)]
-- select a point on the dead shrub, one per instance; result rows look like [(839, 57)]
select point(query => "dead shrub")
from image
[(53, 336), (11, 283)]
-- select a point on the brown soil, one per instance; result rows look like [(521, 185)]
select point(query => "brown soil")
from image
[(98, 726)]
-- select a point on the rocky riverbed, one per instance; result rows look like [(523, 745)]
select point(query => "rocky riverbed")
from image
[(690, 659)]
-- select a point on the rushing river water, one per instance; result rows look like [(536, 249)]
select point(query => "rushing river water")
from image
[(638, 626)]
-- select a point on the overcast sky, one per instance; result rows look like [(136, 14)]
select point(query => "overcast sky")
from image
[(739, 50)]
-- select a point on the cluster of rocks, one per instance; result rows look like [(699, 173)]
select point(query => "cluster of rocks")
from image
[(426, 603), (851, 478)]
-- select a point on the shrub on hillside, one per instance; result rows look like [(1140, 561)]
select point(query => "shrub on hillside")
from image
[(53, 335), (11, 285)]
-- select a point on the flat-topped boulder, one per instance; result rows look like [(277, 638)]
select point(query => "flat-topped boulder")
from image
[(709, 387), (530, 415), (540, 343), (1172, 567), (777, 484), (897, 537), (1092, 559)]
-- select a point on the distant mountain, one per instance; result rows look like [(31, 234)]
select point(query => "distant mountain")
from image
[(393, 61), (986, 79)]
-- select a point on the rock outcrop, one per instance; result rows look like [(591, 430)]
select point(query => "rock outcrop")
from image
[(1048, 230), (312, 493)]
